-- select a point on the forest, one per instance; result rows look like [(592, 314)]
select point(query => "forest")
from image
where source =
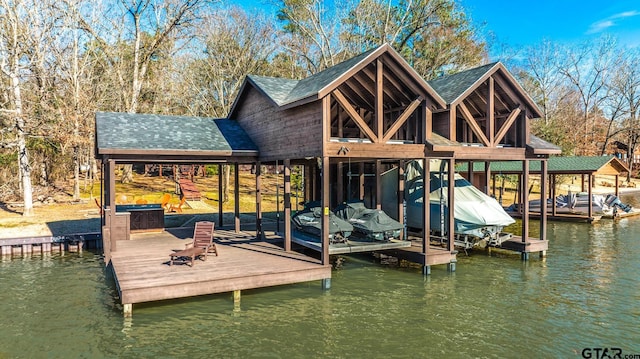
[(61, 61)]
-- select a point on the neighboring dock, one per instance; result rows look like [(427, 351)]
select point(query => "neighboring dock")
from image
[(17, 247)]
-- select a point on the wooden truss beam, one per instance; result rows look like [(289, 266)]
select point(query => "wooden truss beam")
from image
[(354, 115), (506, 126), (473, 124), (490, 116), (402, 119)]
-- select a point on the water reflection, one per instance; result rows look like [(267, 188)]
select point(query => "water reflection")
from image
[(586, 293)]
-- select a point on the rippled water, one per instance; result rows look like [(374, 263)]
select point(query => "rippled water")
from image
[(586, 294)]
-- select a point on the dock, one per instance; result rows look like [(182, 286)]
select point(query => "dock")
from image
[(142, 272), (189, 190), (41, 245)]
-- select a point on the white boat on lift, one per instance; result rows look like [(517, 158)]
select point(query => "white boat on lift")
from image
[(478, 218)]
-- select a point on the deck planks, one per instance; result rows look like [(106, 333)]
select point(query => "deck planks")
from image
[(142, 272)]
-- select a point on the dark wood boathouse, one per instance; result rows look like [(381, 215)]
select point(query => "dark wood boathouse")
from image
[(355, 120)]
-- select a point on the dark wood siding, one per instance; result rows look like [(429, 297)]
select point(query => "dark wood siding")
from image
[(293, 133)]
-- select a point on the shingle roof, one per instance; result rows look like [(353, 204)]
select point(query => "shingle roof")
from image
[(276, 88), (124, 131), (569, 164), (313, 84), (285, 91), (450, 87), (538, 143)]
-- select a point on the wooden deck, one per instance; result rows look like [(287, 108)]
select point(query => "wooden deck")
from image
[(436, 255), (532, 245), (189, 190), (142, 272), (561, 216)]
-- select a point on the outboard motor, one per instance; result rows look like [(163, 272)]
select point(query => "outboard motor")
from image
[(614, 201)]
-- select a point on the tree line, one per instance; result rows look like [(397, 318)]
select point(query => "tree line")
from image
[(63, 60)]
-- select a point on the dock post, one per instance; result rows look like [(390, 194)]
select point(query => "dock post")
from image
[(6, 250), (326, 283), (426, 270), (451, 266), (543, 254), (236, 300), (525, 256), (127, 310)]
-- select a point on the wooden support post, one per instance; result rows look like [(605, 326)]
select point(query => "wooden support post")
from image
[(26, 249), (127, 310), (220, 195), (236, 297), (590, 196), (450, 203), (401, 205), (426, 231), (287, 205), (426, 270), (259, 200), (617, 193), (340, 183), (543, 198), (6, 250), (487, 178), (490, 127), (379, 99), (307, 183), (325, 195), (525, 200), (111, 189), (378, 184), (470, 173), (236, 194), (554, 206), (326, 283), (361, 182)]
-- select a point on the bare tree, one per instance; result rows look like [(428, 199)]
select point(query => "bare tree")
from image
[(145, 29), (236, 44), (544, 83), (24, 36), (434, 36), (314, 31), (588, 68)]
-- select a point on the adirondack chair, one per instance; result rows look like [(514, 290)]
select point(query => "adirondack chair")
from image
[(165, 201), (201, 246), (178, 207)]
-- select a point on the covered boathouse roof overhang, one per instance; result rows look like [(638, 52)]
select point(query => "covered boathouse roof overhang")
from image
[(126, 138)]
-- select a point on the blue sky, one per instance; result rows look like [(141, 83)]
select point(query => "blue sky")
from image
[(526, 22)]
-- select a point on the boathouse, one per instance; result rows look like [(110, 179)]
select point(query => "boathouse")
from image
[(583, 171), (346, 125)]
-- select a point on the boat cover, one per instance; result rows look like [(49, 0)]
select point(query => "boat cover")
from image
[(309, 220), (475, 213), (371, 223)]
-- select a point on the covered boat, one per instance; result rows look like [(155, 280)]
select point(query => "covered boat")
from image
[(369, 223), (478, 218), (578, 203), (309, 220)]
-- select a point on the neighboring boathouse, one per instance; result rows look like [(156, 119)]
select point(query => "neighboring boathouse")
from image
[(346, 125)]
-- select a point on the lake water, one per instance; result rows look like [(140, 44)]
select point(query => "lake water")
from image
[(586, 294)]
